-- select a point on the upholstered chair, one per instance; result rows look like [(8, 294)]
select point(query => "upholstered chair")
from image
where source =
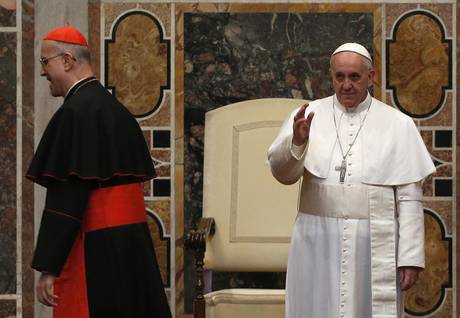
[(247, 215)]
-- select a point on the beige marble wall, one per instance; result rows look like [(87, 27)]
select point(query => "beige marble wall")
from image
[(419, 81)]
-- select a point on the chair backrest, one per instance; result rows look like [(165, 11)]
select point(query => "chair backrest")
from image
[(254, 213)]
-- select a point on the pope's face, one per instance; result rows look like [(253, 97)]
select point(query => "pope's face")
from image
[(53, 67), (351, 78)]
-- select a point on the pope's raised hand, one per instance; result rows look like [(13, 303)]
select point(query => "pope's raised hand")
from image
[(301, 126)]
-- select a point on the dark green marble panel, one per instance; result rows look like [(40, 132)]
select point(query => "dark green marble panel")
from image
[(7, 17), (7, 308), (8, 161), (231, 57)]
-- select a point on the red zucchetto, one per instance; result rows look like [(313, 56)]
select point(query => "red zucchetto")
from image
[(66, 34)]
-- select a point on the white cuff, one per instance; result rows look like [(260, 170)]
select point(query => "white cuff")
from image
[(411, 251), (409, 192), (298, 151)]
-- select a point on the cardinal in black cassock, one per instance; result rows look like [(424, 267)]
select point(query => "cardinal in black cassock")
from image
[(94, 248)]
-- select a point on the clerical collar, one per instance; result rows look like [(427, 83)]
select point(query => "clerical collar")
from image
[(357, 109), (74, 88)]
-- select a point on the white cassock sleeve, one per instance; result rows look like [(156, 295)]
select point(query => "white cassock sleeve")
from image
[(411, 242), (287, 160)]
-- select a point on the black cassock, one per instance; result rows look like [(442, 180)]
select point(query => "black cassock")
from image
[(94, 234)]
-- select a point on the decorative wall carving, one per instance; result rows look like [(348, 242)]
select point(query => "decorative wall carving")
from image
[(420, 64), (138, 62)]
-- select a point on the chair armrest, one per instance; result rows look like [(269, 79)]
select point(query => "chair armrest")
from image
[(196, 241), (207, 226)]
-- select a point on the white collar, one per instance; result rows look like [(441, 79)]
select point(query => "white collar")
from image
[(357, 109)]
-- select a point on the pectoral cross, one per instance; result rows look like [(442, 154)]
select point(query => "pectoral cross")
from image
[(342, 168)]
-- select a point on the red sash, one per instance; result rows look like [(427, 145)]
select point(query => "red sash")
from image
[(107, 207)]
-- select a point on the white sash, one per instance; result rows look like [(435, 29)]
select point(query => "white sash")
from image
[(361, 202)]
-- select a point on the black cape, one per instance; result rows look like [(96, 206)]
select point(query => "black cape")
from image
[(91, 137), (92, 142)]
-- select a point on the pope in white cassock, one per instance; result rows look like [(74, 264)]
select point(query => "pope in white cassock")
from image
[(358, 239)]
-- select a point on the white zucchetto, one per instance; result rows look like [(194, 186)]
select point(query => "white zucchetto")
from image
[(353, 47)]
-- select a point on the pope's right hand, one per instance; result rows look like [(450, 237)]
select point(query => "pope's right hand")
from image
[(301, 126)]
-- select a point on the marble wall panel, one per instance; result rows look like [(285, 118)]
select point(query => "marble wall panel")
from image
[(281, 6), (161, 117), (428, 293), (8, 308), (28, 38), (442, 155), (427, 186), (444, 171), (444, 12), (457, 147), (393, 12), (439, 154), (444, 210), (161, 243), (181, 258), (94, 35), (162, 208), (160, 10), (443, 117), (446, 311), (427, 136), (148, 188), (148, 137), (168, 295), (179, 235), (179, 263), (378, 86), (8, 247), (8, 13), (138, 63), (8, 160), (163, 155), (420, 60), (163, 171)]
